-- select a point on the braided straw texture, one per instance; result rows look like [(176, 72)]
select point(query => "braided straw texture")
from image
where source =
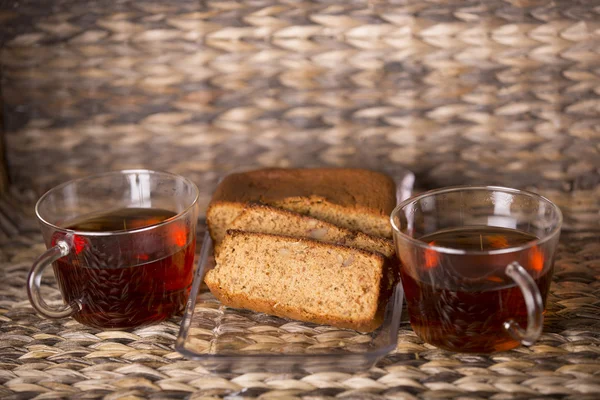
[(499, 92), (495, 92), (48, 359)]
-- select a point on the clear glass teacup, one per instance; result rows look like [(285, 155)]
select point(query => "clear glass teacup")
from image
[(122, 247), (476, 265)]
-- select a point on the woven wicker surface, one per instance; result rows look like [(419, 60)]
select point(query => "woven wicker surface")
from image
[(497, 92), (50, 359)]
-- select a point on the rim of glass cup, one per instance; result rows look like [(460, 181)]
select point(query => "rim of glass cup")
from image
[(449, 250), (121, 232)]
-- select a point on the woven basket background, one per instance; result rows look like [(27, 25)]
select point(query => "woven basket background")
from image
[(498, 92), (459, 91), (3, 165)]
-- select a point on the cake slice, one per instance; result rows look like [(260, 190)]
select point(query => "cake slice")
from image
[(355, 199), (301, 279), (266, 219)]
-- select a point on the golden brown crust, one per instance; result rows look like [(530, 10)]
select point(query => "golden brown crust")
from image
[(215, 226), (356, 199), (376, 243), (271, 306), (350, 188), (232, 233)]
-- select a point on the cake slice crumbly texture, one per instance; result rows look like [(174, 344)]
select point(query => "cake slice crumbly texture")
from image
[(261, 218), (301, 279), (355, 199)]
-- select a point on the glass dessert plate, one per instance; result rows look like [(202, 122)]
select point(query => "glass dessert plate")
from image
[(235, 340)]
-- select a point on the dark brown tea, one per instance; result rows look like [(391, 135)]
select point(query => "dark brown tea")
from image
[(460, 302), (125, 280)]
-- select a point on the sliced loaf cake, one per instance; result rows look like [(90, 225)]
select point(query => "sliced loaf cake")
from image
[(301, 279), (266, 219), (355, 199)]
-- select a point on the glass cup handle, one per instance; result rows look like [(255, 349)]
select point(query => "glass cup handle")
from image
[(35, 277), (533, 302)]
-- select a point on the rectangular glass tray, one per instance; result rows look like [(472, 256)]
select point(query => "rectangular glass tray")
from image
[(235, 340)]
